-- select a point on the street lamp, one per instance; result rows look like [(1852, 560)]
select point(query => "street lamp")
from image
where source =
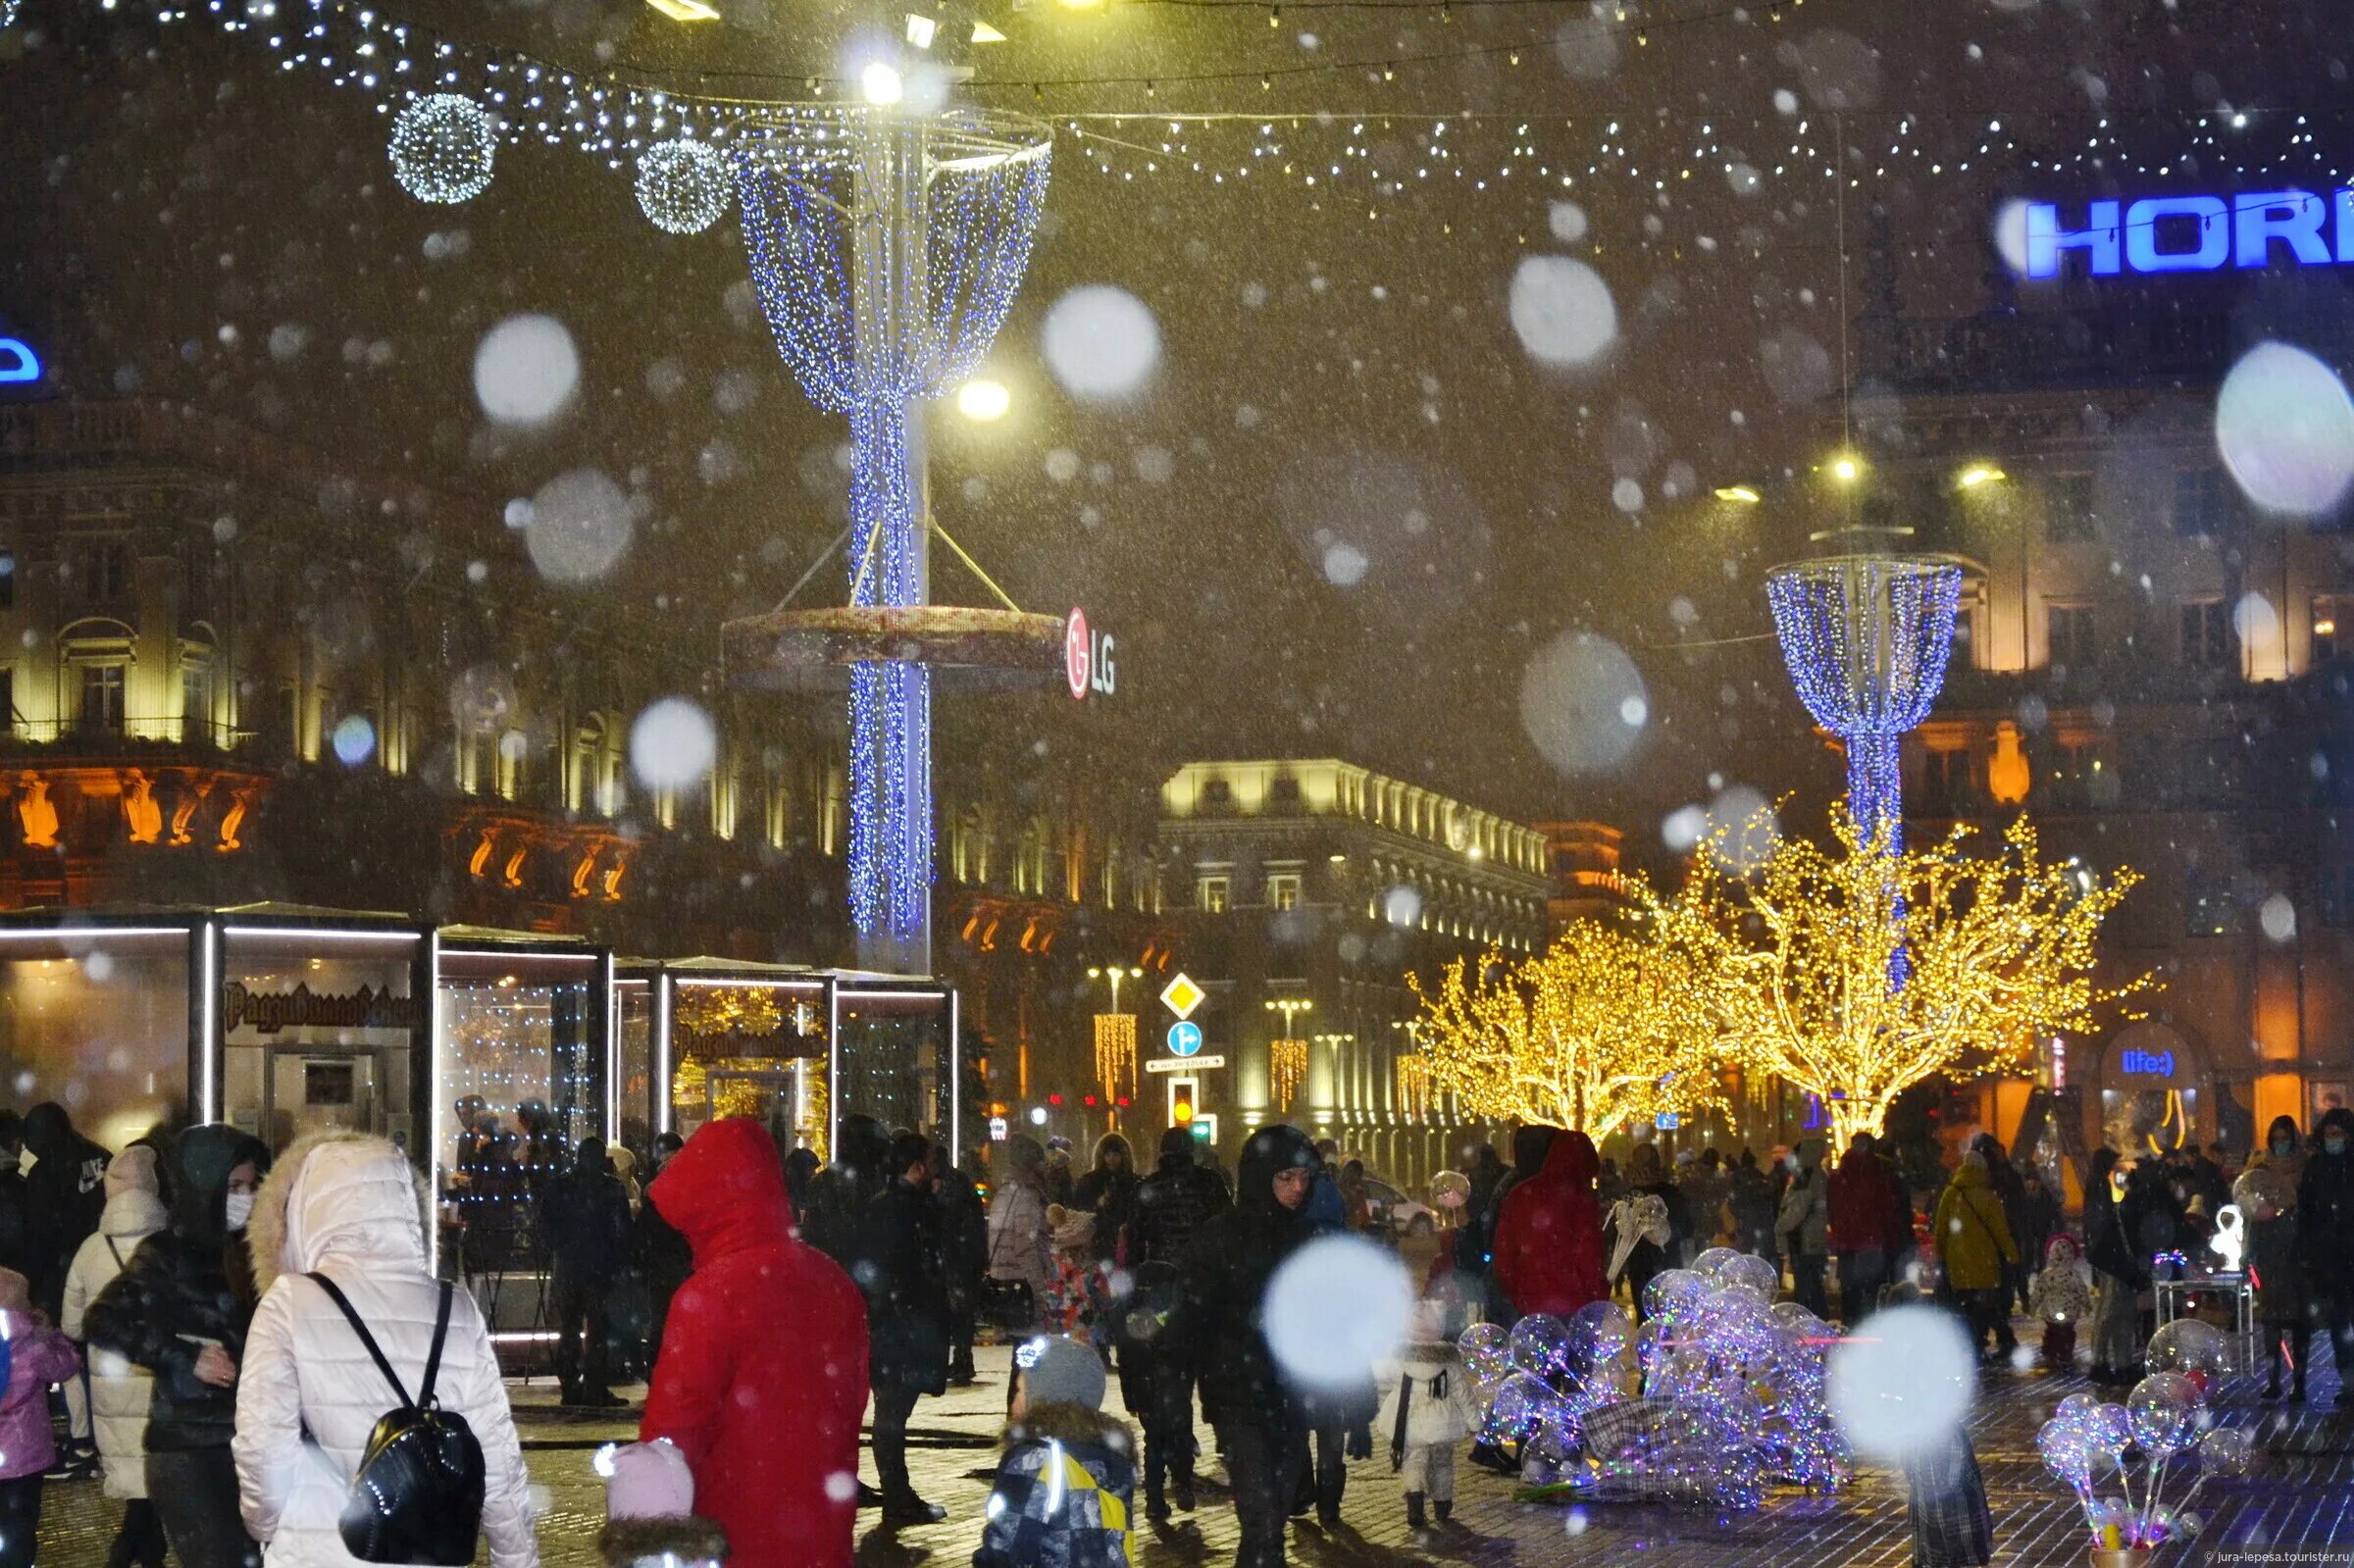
[(983, 400), (1291, 1007), (1116, 973), (1115, 1040)]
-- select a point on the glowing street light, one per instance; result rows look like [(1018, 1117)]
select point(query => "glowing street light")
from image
[(983, 400), (1845, 468), (1116, 973), (1741, 495), (1291, 1007), (880, 82), (1979, 473)]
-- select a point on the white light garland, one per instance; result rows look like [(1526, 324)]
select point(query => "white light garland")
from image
[(443, 146), (684, 186)]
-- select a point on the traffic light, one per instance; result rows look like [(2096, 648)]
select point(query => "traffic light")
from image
[(1201, 1132)]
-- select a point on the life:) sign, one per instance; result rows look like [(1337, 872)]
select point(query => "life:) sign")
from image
[(2147, 1064), (2196, 234)]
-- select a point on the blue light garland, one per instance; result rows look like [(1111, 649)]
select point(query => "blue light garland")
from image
[(859, 346), (1865, 638)]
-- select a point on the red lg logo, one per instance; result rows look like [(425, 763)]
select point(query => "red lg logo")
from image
[(1078, 661)]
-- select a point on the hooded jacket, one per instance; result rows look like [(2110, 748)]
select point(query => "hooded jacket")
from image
[(1224, 1285), (64, 1196), (2062, 1292), (1173, 1203), (762, 1377), (2326, 1209), (584, 1220), (1973, 1236), (349, 1207), (1107, 1195), (834, 1211), (118, 1390), (1549, 1254), (1864, 1214), (39, 1356), (1063, 1493), (186, 1285)]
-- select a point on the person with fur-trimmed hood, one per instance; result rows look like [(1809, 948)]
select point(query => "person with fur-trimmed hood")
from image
[(1066, 1488), (118, 1390), (2061, 1295), (1427, 1407), (349, 1208)]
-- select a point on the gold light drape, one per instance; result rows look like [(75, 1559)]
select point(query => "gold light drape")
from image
[(1287, 1070), (1115, 1054)]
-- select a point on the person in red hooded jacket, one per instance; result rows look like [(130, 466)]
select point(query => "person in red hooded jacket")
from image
[(762, 1377), (1549, 1254)]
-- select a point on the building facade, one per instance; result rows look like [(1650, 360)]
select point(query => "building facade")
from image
[(2149, 667), (1303, 892)]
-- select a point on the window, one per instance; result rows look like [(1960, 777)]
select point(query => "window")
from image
[(1214, 894), (1946, 776), (8, 580), (2206, 904), (101, 711), (104, 570), (2067, 509), (1957, 656), (196, 701), (2068, 635), (1217, 792), (7, 701), (2206, 634), (2326, 610), (1284, 789), (2199, 503), (1283, 890)]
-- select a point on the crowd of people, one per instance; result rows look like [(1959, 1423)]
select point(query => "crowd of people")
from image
[(216, 1322)]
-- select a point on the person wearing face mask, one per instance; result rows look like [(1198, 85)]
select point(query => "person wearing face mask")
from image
[(2284, 1150), (2326, 1232), (180, 1308)]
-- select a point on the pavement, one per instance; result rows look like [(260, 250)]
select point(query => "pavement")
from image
[(2299, 1506)]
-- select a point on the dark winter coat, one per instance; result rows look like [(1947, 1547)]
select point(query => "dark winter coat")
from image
[(1110, 1196), (963, 1237), (1865, 1216), (1751, 1199), (1171, 1204), (1225, 1275), (2106, 1245), (1063, 1493), (1549, 1251), (584, 1221), (902, 1269), (762, 1377), (64, 1194), (835, 1208), (2326, 1210), (186, 1286), (2277, 1268)]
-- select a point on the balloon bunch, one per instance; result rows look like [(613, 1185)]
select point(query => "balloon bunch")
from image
[(1719, 1394), (2165, 1418)]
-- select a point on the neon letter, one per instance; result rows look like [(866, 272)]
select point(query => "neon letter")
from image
[(2046, 239), (17, 362), (2141, 234), (2260, 217)]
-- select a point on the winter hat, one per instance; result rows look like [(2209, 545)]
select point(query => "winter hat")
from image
[(1024, 1153), (1060, 1371), (649, 1509), (132, 1171), (2062, 1241), (15, 1294)]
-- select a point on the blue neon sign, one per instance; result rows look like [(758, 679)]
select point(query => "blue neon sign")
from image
[(2146, 1064), (2195, 234), (17, 362)]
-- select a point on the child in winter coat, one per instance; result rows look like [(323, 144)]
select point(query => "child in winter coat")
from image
[(1065, 1489), (2061, 1295), (1427, 1407), (38, 1357), (650, 1520)]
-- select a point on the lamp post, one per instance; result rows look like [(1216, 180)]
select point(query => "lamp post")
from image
[(1287, 1058), (1115, 1040)]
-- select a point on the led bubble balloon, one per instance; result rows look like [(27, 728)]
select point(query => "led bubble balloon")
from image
[(1540, 1345), (2164, 1408)]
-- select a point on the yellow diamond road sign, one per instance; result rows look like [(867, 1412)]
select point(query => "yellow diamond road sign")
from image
[(1182, 996)]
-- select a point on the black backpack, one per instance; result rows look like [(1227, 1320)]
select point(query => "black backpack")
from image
[(418, 1496)]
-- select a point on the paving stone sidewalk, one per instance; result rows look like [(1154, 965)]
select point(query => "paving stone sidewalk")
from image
[(2303, 1496)]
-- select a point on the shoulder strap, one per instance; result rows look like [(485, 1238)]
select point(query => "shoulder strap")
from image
[(343, 1303), (433, 1358), (117, 1252)]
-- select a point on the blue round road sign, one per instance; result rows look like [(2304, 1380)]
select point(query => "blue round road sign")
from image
[(1184, 1039)]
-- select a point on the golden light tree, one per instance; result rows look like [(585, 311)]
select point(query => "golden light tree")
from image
[(1801, 959), (1602, 1031)]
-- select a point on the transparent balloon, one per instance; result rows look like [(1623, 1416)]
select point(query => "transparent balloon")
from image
[(1540, 1345), (2189, 1345), (2164, 1409), (2228, 1451)]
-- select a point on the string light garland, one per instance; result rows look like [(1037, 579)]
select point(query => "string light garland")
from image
[(1601, 1032), (444, 148), (684, 186), (1795, 958), (1286, 1069), (714, 1011), (1115, 1054), (1418, 1094), (1865, 638)]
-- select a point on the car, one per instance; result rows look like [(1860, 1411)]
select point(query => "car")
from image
[(1396, 1214)]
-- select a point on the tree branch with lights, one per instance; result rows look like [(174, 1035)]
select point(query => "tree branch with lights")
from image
[(1853, 973), (1602, 1031)]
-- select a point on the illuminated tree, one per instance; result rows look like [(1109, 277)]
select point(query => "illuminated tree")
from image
[(1602, 1031), (1801, 959)]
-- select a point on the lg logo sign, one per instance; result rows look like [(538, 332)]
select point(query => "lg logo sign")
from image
[(1086, 657)]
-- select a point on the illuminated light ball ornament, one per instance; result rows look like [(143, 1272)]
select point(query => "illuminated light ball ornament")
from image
[(442, 148), (526, 370), (581, 525), (684, 186), (1903, 1383), (355, 739), (1583, 703), (1333, 1309), (2285, 425), (673, 745), (1561, 311), (1101, 342)]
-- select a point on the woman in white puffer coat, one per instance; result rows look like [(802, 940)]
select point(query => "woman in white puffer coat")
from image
[(120, 1391), (308, 1395)]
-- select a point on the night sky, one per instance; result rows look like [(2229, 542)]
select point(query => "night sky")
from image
[(1348, 508)]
